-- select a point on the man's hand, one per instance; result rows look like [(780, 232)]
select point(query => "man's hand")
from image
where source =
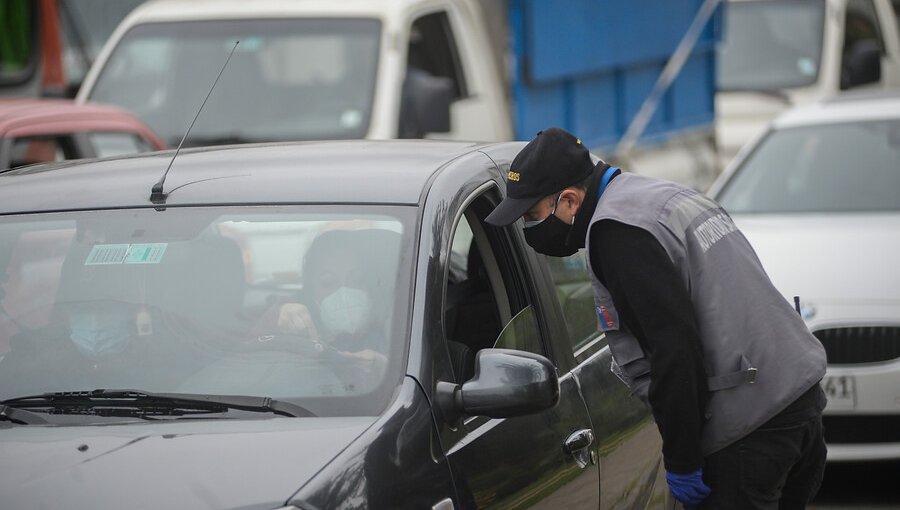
[(688, 488)]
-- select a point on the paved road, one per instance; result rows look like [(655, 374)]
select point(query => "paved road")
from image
[(860, 486)]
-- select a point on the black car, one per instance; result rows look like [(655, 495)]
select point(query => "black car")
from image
[(310, 325)]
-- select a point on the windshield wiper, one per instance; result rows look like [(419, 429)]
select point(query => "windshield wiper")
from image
[(114, 402), (20, 416)]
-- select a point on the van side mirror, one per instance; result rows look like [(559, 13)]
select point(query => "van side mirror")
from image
[(425, 104), (863, 64), (507, 383)]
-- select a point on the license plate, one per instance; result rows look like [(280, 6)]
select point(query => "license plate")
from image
[(841, 391)]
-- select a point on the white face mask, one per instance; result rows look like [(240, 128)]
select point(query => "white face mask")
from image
[(345, 311)]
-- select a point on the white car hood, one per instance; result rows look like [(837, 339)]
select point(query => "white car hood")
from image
[(843, 266), (175, 464)]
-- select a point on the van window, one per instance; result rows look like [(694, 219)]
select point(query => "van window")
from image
[(287, 79), (771, 45), (861, 24), (896, 4), (860, 29), (432, 49)]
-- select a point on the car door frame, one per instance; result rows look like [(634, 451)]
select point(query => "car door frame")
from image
[(451, 192)]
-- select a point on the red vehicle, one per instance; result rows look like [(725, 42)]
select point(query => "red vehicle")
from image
[(40, 130)]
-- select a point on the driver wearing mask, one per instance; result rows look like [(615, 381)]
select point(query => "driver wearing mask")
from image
[(335, 312)]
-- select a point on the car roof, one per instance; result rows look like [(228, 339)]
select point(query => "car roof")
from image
[(846, 107), (353, 171), (32, 116)]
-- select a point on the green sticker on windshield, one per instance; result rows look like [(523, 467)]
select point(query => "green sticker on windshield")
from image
[(143, 253), (149, 253)]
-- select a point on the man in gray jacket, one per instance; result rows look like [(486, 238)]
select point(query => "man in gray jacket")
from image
[(696, 328)]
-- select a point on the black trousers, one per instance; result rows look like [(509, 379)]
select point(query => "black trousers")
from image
[(777, 466)]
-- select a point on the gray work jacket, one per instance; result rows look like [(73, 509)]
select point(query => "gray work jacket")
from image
[(758, 352)]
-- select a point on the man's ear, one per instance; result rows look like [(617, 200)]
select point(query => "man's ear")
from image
[(572, 199)]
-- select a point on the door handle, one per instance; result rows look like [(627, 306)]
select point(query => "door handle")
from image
[(578, 440)]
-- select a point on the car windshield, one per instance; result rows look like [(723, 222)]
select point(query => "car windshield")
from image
[(288, 79), (304, 304), (770, 45), (827, 168)]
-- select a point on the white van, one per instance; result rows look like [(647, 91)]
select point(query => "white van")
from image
[(778, 53), (316, 69)]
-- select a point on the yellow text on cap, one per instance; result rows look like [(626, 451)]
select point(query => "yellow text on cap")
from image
[(513, 176)]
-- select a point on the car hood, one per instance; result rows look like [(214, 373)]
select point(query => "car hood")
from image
[(201, 464), (843, 266)]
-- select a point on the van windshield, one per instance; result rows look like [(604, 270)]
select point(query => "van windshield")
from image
[(289, 79), (770, 45)]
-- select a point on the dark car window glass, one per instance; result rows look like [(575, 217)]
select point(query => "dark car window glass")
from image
[(43, 149), (521, 333), (471, 312), (206, 301), (484, 294), (289, 79), (117, 144), (576, 297), (829, 168), (771, 44), (18, 38)]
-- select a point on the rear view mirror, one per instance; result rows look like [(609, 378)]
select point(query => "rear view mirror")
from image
[(425, 104), (507, 383), (863, 64)]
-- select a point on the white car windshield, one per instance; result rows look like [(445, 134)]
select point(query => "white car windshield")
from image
[(827, 168), (305, 304), (289, 79), (770, 45)]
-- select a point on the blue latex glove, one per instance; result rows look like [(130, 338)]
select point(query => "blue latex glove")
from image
[(688, 488)]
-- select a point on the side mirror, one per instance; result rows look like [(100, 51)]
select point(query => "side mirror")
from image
[(425, 104), (863, 64), (507, 383)]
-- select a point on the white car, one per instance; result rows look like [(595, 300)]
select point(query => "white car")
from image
[(818, 196)]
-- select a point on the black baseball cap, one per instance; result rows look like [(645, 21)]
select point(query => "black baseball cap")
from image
[(554, 160)]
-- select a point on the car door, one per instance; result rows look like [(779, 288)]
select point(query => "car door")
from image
[(628, 441), (543, 460)]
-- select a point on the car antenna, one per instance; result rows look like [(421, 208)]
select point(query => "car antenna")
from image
[(156, 192)]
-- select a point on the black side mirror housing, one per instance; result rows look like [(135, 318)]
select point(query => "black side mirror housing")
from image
[(863, 64), (425, 104), (507, 383)]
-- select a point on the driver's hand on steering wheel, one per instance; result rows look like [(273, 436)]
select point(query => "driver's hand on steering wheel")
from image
[(374, 361), (294, 318)]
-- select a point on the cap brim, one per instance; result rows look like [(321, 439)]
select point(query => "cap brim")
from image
[(509, 210)]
